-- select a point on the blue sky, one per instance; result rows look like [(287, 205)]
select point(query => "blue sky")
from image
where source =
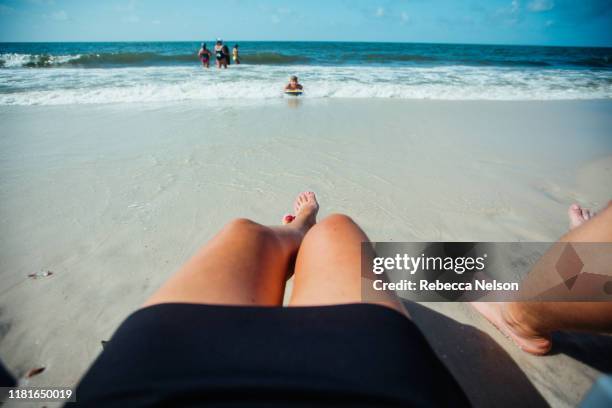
[(549, 22)]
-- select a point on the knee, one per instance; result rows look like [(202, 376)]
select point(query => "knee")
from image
[(334, 223), (337, 220), (243, 227), (240, 224)]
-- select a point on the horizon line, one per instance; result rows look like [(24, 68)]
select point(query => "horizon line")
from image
[(316, 41)]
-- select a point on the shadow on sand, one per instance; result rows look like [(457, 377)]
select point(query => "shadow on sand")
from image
[(485, 372), (594, 350)]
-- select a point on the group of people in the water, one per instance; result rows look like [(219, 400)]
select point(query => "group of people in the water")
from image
[(222, 58), (221, 53)]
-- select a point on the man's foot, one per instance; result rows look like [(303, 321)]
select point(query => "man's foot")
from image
[(511, 325), (305, 210), (578, 215)]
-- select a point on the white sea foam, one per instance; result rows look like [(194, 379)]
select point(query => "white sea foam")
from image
[(22, 86), (13, 60)]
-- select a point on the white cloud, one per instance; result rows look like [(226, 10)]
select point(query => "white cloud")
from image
[(512, 9), (156, 22), (540, 5), (384, 14), (60, 15), (509, 15)]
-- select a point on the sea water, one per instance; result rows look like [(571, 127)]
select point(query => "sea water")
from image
[(80, 73)]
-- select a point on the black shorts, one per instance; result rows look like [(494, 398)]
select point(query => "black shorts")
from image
[(352, 355)]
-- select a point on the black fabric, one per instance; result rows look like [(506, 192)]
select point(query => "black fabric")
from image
[(6, 379), (200, 355)]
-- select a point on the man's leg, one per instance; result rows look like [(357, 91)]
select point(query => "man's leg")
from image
[(245, 264)]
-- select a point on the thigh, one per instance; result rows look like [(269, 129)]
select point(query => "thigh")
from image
[(328, 265), (241, 265)]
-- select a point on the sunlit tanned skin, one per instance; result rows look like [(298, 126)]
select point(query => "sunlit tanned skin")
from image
[(248, 263), (530, 324), (204, 55)]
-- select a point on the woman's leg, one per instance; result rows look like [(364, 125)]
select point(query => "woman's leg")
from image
[(529, 324), (328, 266), (244, 264)]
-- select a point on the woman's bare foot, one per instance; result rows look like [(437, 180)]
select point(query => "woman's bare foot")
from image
[(305, 210), (578, 215), (508, 319)]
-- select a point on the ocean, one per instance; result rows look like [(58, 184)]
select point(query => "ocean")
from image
[(118, 72)]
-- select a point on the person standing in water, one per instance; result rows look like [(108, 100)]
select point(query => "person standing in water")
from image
[(226, 54), (235, 54), (204, 55), (219, 54)]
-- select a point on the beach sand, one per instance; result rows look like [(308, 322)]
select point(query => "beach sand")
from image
[(113, 198)]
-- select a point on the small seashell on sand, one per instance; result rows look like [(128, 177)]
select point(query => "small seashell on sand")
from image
[(34, 371), (42, 274)]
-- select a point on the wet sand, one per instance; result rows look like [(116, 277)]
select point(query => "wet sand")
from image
[(113, 198)]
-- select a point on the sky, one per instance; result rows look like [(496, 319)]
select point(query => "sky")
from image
[(541, 22)]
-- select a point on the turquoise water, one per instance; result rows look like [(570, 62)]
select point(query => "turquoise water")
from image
[(59, 73), (110, 54)]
